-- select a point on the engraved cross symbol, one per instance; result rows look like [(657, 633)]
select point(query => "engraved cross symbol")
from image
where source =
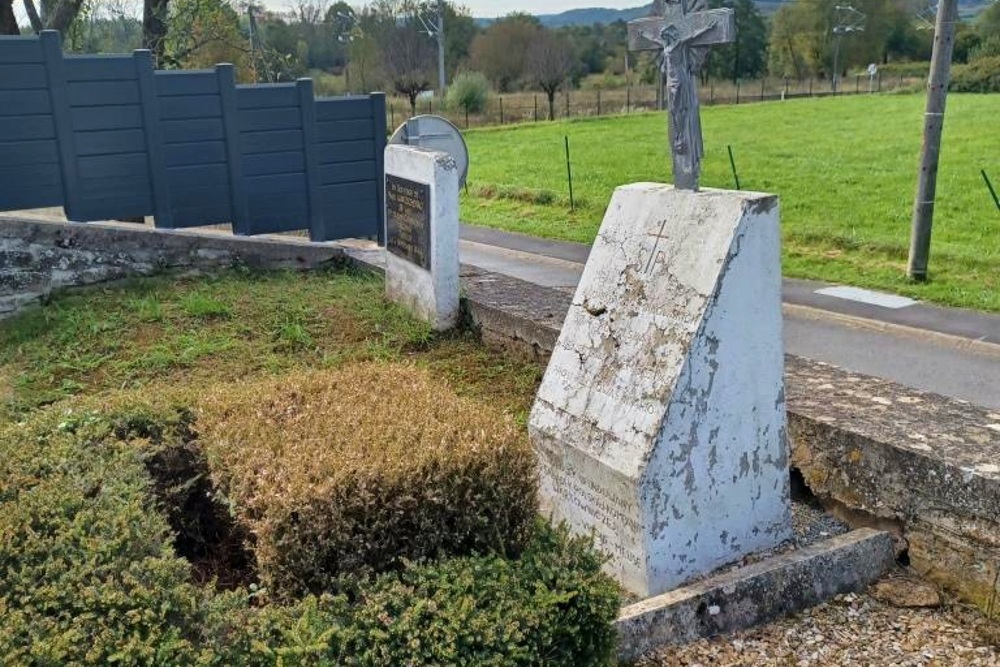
[(656, 244), (684, 31)]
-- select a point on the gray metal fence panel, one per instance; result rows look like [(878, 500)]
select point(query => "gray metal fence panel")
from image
[(29, 170), (195, 151), (350, 140), (108, 137)]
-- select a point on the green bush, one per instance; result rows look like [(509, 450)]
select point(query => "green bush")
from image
[(355, 470), (88, 574), (981, 75), (469, 92)]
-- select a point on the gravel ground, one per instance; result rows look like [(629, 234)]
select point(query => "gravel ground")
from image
[(850, 630)]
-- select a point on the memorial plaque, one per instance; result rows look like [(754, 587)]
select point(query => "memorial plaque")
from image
[(408, 220)]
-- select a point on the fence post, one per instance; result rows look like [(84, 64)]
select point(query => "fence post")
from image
[(467, 118), (378, 119), (59, 98), (900, 84), (501, 109), (392, 115), (628, 99), (810, 86), (307, 109), (711, 91), (880, 81), (737, 91), (567, 102), (239, 208), (598, 101), (162, 210), (430, 106), (536, 108), (763, 82), (857, 83), (786, 88)]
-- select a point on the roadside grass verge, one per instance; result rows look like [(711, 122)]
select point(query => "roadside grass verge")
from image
[(844, 168)]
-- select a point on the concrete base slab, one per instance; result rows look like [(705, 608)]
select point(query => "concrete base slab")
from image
[(755, 594)]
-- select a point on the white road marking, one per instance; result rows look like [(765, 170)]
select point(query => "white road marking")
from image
[(882, 299)]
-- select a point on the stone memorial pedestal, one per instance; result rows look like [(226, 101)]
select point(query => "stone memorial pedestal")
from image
[(660, 422), (421, 201)]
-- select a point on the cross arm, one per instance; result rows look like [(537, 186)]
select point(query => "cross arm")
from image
[(705, 28)]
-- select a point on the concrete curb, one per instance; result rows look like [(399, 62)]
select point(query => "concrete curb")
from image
[(755, 594)]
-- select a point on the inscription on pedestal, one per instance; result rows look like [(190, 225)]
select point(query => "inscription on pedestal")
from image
[(408, 220)]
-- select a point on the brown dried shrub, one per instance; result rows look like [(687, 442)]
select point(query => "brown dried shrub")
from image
[(359, 469)]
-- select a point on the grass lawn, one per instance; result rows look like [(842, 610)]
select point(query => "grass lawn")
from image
[(845, 169), (192, 332)]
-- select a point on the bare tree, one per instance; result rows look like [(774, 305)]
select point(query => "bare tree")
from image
[(8, 22), (408, 59), (58, 17), (551, 62)]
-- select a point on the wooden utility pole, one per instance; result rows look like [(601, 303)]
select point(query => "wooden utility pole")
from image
[(937, 95)]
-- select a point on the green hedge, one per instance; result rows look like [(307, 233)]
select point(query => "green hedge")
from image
[(354, 470), (981, 75), (89, 573)]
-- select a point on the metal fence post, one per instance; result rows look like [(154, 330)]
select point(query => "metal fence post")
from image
[(378, 118), (240, 210), (737, 91), (536, 108), (598, 101), (628, 99), (162, 209), (501, 110), (763, 82), (59, 98), (307, 109), (567, 102)]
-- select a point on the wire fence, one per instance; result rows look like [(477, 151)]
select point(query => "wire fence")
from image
[(528, 107)]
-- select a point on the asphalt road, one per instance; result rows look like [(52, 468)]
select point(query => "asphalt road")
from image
[(946, 351)]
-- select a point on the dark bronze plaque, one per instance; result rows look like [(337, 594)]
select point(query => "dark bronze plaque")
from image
[(408, 220)]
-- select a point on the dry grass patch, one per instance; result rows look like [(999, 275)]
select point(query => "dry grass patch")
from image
[(359, 469)]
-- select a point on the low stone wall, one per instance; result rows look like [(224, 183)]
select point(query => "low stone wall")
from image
[(917, 463), (37, 257), (924, 467)]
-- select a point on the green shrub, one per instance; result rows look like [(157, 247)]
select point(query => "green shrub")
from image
[(981, 75), (551, 607), (351, 471), (88, 574), (469, 92)]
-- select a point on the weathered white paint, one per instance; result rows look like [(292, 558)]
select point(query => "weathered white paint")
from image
[(893, 301), (660, 422), (431, 295)]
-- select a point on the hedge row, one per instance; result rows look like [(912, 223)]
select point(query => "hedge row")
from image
[(355, 470), (89, 573)]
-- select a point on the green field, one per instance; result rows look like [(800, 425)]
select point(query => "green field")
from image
[(845, 169)]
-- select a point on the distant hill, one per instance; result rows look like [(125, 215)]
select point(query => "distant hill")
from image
[(591, 15)]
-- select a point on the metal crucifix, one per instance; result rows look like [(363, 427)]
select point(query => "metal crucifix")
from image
[(683, 30)]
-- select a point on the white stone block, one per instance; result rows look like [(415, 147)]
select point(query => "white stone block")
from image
[(421, 268), (660, 422)]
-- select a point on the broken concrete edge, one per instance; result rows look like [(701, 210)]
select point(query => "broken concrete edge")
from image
[(755, 594)]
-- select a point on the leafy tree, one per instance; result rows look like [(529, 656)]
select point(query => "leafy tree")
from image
[(988, 23), (459, 31), (746, 58), (501, 51), (551, 62), (205, 32)]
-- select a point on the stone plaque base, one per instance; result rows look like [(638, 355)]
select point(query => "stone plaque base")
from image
[(660, 422), (421, 263)]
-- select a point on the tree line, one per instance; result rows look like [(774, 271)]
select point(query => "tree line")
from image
[(390, 44)]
